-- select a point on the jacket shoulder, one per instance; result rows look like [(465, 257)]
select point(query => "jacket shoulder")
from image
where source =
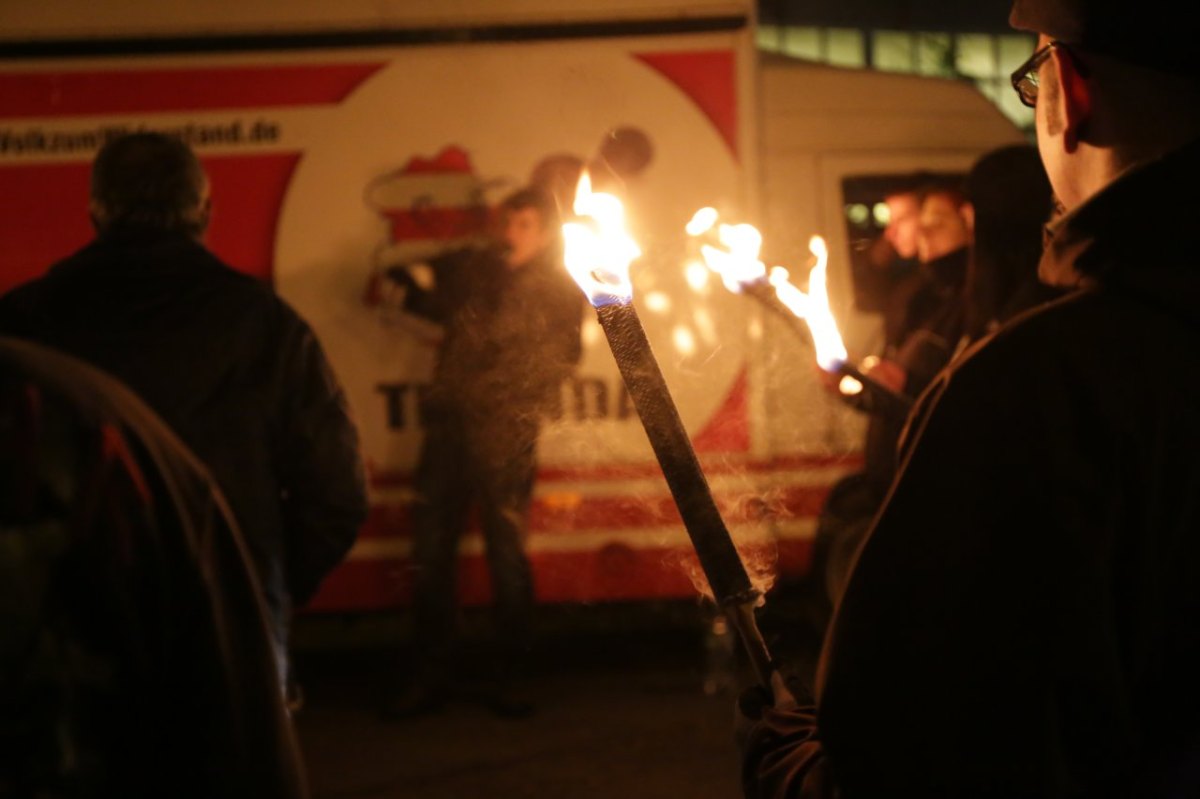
[(1034, 334), (250, 290)]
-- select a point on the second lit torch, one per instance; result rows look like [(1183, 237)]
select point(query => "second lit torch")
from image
[(732, 252)]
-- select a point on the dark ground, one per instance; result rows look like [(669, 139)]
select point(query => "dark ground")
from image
[(623, 711)]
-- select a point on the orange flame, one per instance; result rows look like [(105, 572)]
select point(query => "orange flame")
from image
[(813, 307), (598, 248), (736, 259), (739, 266)]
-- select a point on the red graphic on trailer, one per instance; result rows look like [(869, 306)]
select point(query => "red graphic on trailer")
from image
[(432, 205), (43, 200)]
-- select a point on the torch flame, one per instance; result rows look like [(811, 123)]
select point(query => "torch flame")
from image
[(738, 264), (702, 221), (813, 307), (598, 248)]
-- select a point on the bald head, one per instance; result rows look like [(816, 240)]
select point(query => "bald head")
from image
[(149, 181)]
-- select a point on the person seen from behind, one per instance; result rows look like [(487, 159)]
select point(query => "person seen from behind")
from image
[(225, 362), (1023, 617)]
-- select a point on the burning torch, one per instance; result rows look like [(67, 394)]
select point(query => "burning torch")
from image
[(598, 254), (732, 252)]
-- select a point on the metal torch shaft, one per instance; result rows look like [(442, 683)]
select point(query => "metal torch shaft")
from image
[(887, 399), (719, 558), (766, 296), (894, 403)]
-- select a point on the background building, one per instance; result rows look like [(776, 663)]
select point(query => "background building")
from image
[(947, 38)]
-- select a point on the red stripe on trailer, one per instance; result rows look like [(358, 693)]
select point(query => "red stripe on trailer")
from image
[(611, 573), (393, 519), (94, 92), (633, 471)]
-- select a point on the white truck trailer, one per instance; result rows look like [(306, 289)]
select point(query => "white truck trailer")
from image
[(342, 137)]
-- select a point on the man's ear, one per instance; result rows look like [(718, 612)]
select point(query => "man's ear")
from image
[(96, 215), (201, 216), (1075, 96), (967, 212), (206, 211)]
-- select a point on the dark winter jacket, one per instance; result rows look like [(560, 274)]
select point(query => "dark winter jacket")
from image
[(511, 335), (234, 371), (134, 648), (932, 323), (1024, 617)]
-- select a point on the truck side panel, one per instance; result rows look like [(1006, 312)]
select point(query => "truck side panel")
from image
[(329, 165)]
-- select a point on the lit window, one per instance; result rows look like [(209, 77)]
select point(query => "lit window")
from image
[(845, 47), (1014, 109), (767, 37), (990, 90), (1014, 50), (976, 55), (802, 43), (858, 214), (935, 54), (892, 51)]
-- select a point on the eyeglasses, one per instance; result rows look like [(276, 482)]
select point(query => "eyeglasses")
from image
[(1025, 78)]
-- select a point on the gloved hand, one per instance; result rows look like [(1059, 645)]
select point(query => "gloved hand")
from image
[(401, 276), (777, 736), (786, 694)]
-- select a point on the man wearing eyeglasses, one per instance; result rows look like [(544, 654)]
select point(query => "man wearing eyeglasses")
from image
[(1024, 617)]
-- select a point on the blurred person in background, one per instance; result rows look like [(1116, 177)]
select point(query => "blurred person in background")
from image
[(934, 314), (1009, 203), (512, 319), (884, 270), (1012, 203), (926, 324)]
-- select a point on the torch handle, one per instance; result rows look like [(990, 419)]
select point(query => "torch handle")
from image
[(889, 401), (718, 556), (741, 617), (893, 403), (765, 294)]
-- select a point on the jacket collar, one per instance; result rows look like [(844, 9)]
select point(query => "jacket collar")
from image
[(1136, 219)]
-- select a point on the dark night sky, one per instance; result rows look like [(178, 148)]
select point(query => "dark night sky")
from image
[(922, 15)]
